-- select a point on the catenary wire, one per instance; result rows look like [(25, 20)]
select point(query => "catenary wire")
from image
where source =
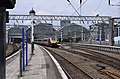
[(80, 7), (65, 8), (98, 6)]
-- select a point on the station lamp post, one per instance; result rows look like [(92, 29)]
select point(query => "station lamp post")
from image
[(32, 14)]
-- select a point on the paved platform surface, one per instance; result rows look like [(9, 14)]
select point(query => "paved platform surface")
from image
[(40, 66)]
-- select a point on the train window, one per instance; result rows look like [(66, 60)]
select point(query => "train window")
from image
[(53, 38), (40, 40), (45, 40)]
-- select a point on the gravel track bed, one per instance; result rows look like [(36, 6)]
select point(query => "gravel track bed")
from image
[(112, 54), (114, 70), (86, 64), (74, 72), (107, 59), (11, 48)]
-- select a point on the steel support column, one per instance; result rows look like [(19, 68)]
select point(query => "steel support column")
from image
[(111, 25), (61, 36), (2, 43)]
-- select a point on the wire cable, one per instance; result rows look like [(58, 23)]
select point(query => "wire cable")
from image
[(104, 10), (80, 7), (73, 8), (98, 6), (65, 8)]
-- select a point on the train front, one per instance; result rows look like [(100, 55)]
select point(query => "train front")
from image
[(54, 43)]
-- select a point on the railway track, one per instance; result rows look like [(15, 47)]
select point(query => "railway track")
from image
[(72, 70), (11, 52), (12, 48), (100, 57), (93, 54), (97, 57), (112, 74), (115, 51), (98, 48)]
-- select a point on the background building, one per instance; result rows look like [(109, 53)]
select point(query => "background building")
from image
[(70, 33), (41, 30), (73, 33), (64, 23), (44, 30), (14, 34), (101, 32)]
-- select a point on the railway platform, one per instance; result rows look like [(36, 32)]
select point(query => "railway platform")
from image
[(41, 65)]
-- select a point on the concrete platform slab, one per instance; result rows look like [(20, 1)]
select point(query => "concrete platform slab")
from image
[(40, 66)]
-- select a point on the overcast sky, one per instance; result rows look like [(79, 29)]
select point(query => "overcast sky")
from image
[(62, 7)]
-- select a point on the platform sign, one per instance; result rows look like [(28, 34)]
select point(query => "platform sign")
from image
[(9, 4)]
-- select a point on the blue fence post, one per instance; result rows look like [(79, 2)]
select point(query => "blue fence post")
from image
[(23, 63), (26, 47), (20, 63)]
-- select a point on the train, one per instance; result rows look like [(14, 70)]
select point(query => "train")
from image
[(47, 42)]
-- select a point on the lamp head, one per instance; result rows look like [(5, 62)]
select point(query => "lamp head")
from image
[(32, 12)]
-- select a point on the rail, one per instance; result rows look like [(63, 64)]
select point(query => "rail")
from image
[(63, 75), (112, 74), (100, 47), (73, 64), (13, 55)]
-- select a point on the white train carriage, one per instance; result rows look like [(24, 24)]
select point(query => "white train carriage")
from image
[(47, 42)]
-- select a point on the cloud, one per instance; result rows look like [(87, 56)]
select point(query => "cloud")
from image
[(95, 13), (57, 7), (42, 12)]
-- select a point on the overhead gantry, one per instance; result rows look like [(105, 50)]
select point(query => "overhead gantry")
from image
[(89, 20), (61, 17)]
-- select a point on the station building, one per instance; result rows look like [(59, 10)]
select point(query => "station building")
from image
[(41, 30), (102, 32), (99, 32), (15, 33), (44, 30), (117, 34), (70, 32), (64, 23), (73, 33)]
